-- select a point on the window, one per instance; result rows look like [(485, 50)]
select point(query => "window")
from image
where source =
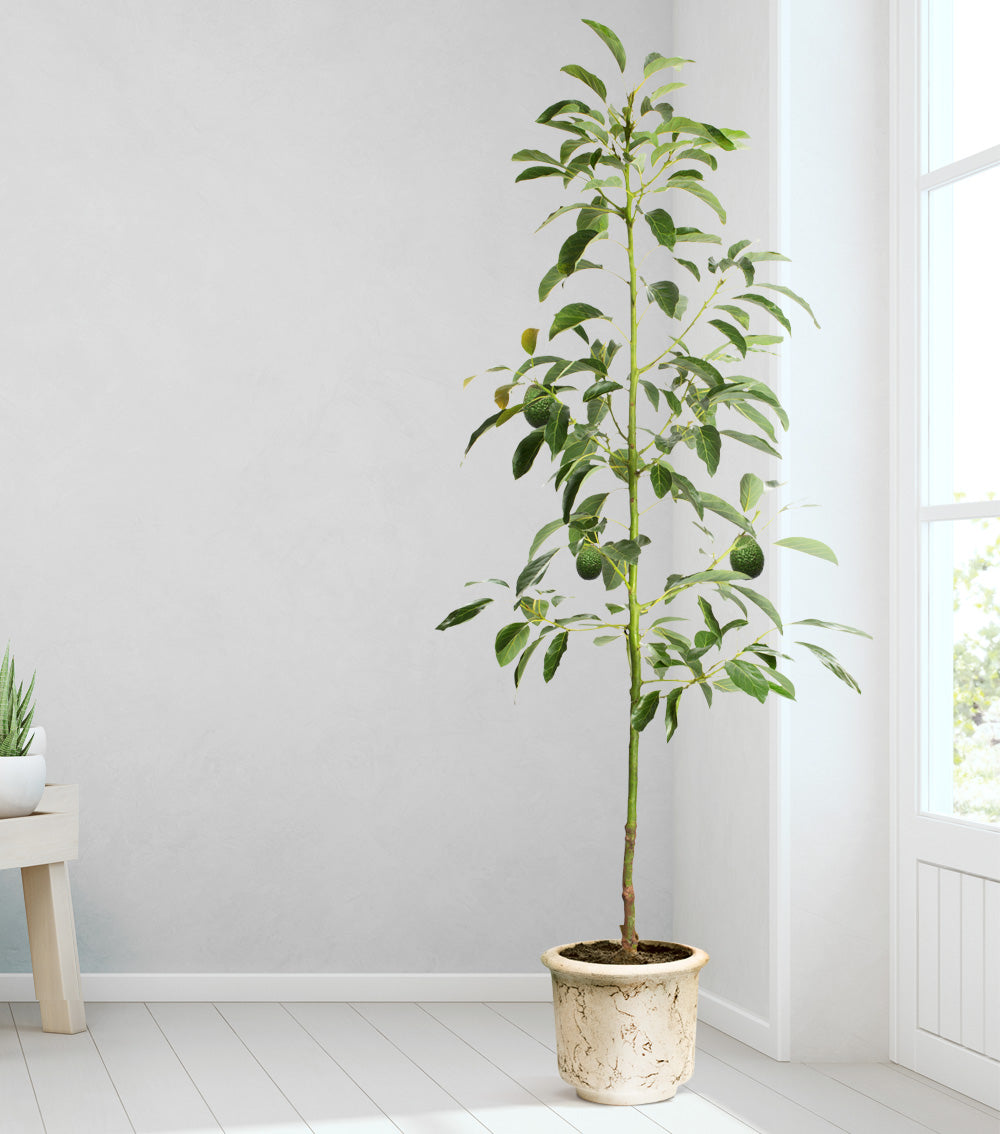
[(960, 506)]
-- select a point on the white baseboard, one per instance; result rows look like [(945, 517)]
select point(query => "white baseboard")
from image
[(737, 1022), (464, 987)]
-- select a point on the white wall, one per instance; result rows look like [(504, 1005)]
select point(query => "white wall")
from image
[(837, 213), (250, 251), (722, 756), (783, 819)]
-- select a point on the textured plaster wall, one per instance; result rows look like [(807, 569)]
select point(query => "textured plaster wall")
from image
[(251, 250)]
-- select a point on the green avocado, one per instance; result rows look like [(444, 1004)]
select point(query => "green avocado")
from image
[(747, 556), (538, 405), (589, 562)]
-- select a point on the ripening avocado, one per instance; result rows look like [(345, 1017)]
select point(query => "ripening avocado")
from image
[(747, 556), (538, 404), (588, 562)]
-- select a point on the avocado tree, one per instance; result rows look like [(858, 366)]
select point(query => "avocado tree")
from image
[(618, 414)]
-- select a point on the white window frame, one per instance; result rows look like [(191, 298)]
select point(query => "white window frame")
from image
[(912, 782)]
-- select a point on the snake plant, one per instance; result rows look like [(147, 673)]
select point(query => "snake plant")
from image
[(16, 711)]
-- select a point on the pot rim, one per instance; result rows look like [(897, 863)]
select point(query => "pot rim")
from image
[(552, 960)]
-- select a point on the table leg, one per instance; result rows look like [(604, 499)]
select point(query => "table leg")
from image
[(52, 937)]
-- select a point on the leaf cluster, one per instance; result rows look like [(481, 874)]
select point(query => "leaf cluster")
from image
[(16, 710), (622, 413)]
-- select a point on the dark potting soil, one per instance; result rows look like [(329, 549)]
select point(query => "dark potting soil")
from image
[(612, 953)]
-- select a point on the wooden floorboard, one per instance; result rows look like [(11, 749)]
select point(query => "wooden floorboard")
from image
[(415, 1102), (317, 1086), (74, 1090), (834, 1101), (238, 1090), (17, 1093), (432, 1068), (156, 1090), (937, 1110)]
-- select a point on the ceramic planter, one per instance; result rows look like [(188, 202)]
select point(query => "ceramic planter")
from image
[(22, 781), (22, 778), (625, 1033)]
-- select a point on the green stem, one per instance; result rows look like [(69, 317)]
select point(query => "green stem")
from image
[(630, 939)]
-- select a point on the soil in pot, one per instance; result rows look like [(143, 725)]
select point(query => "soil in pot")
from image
[(612, 953)]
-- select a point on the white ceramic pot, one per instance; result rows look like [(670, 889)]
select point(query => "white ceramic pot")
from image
[(625, 1033), (22, 781)]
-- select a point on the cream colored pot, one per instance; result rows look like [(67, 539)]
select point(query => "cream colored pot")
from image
[(625, 1033)]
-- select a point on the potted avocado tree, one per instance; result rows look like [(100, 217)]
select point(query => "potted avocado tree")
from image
[(642, 420), (22, 758)]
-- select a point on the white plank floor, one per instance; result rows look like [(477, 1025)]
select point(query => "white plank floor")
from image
[(414, 1068)]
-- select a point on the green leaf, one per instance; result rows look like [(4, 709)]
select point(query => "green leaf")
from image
[(791, 295), (781, 684), (665, 89), (830, 626), (553, 655), (573, 483), (754, 257), (605, 386), (762, 601), (696, 189), (748, 677), (660, 479), (543, 534), (533, 155), (525, 453), (714, 629), (587, 77), (752, 440), (770, 307), (709, 447), (681, 486), (832, 665), (645, 710), (613, 42), (724, 509), (591, 507), (463, 614), (565, 105), (523, 660), (705, 370), (665, 295), (534, 571), (533, 172), (573, 248), (628, 550), (696, 236), (656, 62), (661, 225), (529, 339), (751, 490), (481, 430), (737, 313), (557, 429), (652, 393), (808, 547), (731, 333), (670, 708), (683, 582), (511, 641), (572, 315)]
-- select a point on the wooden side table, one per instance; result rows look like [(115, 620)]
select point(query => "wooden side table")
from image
[(41, 844)]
